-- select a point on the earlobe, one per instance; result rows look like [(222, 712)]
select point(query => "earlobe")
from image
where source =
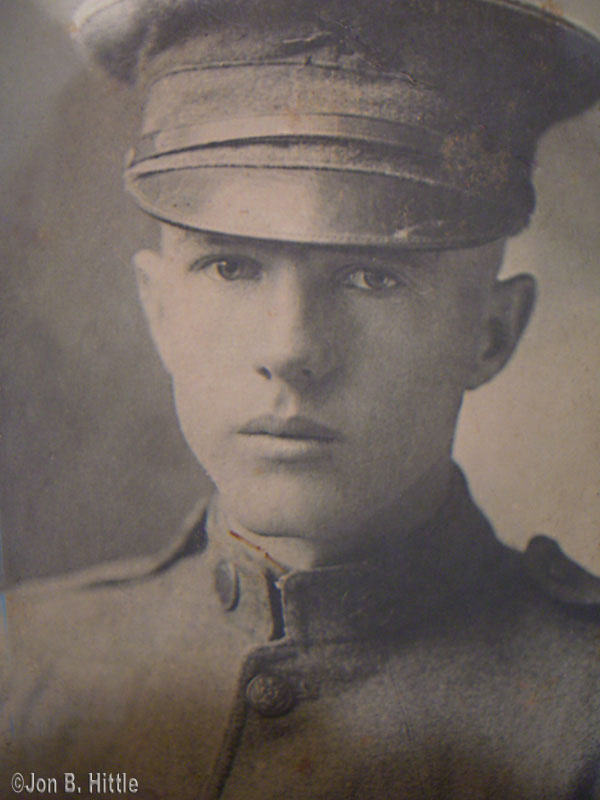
[(148, 265), (505, 320)]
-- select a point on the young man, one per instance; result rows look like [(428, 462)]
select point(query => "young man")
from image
[(334, 185)]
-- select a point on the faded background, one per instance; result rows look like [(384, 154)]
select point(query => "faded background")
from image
[(92, 462)]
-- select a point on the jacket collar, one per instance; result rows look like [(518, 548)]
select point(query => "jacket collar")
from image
[(442, 564)]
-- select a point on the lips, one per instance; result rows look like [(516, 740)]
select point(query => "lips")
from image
[(296, 428)]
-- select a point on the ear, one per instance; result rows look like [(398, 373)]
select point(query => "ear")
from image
[(149, 267), (507, 314)]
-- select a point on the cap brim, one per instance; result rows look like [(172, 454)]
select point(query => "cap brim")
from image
[(324, 207)]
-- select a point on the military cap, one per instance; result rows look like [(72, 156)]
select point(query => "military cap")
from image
[(407, 123)]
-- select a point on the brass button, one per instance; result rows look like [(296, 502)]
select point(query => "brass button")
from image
[(270, 695), (227, 585)]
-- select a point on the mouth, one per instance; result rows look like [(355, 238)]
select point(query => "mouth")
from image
[(295, 440), (301, 429)]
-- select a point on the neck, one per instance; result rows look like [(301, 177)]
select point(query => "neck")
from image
[(383, 529)]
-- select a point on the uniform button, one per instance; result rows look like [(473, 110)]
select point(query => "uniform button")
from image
[(227, 585), (270, 695)]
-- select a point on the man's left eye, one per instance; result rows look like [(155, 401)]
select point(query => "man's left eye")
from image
[(371, 280), (228, 268)]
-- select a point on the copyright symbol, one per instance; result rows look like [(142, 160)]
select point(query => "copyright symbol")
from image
[(17, 782)]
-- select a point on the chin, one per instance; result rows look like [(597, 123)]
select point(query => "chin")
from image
[(285, 508)]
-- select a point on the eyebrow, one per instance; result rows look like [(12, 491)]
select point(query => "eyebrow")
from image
[(381, 256)]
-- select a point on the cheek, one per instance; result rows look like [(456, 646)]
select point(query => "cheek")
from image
[(195, 418), (193, 342), (411, 376), (201, 343), (206, 416), (414, 347), (212, 326)]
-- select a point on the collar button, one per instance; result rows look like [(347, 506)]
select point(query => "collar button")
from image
[(227, 584), (270, 695)]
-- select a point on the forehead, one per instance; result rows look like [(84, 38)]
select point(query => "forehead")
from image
[(184, 243)]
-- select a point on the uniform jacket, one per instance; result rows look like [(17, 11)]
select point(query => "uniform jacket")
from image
[(452, 667)]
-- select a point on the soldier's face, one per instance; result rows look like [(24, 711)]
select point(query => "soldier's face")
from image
[(319, 386)]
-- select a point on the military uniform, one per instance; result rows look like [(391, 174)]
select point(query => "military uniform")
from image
[(444, 666), (452, 667)]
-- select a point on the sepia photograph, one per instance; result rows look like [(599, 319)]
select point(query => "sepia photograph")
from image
[(299, 431)]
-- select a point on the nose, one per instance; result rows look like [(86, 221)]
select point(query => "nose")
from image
[(297, 345)]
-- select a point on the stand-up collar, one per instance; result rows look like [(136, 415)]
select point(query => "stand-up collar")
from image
[(423, 572)]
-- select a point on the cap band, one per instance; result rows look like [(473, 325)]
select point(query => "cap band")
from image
[(236, 130)]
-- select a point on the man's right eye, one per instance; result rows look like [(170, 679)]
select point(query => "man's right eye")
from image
[(228, 268)]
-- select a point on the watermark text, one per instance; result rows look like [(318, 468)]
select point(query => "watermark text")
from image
[(93, 783)]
